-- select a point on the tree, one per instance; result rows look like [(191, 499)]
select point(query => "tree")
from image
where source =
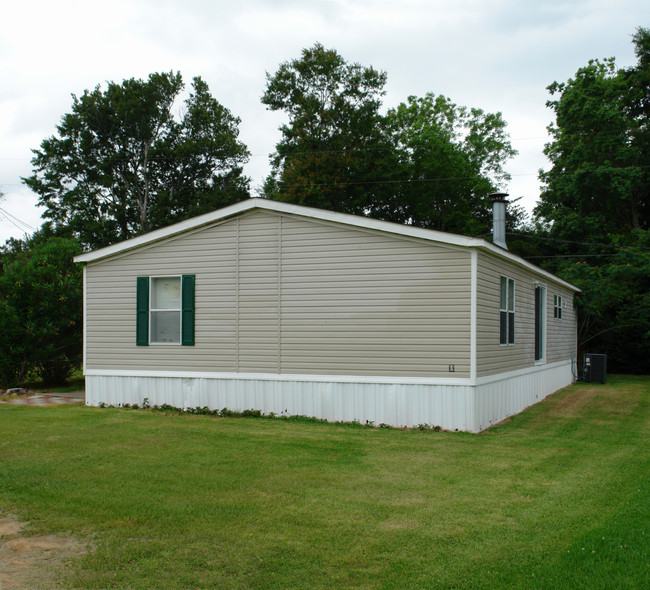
[(614, 304), (599, 181), (450, 159), (121, 164), (332, 149), (40, 309), (428, 162), (595, 203)]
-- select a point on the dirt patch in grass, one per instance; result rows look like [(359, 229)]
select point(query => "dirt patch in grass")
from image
[(33, 562), (395, 524), (571, 404), (597, 403)]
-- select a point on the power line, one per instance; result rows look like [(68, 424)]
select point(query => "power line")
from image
[(570, 256), (557, 240), (581, 134), (340, 183), (15, 221), (588, 244)]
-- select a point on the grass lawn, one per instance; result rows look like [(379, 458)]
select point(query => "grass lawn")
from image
[(557, 497)]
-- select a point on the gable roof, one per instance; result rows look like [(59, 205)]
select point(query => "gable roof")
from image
[(357, 221)]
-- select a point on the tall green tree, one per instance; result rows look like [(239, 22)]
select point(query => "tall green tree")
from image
[(428, 162), (595, 203), (614, 304), (450, 159), (40, 309), (599, 181), (332, 150), (121, 164)]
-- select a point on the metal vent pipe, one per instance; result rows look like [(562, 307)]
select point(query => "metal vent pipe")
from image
[(499, 203)]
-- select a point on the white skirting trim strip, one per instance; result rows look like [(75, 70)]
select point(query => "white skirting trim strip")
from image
[(452, 407)]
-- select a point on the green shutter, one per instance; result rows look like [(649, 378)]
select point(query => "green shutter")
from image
[(187, 310), (142, 312)]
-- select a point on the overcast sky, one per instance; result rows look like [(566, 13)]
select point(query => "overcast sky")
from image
[(498, 55)]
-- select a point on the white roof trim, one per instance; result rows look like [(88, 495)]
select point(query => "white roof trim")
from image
[(310, 212)]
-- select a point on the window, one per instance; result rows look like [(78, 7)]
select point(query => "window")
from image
[(557, 307), (165, 310), (507, 311)]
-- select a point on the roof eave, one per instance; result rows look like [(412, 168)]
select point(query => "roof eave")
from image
[(310, 212), (280, 207)]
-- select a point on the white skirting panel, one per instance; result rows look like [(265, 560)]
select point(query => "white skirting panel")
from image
[(452, 407), (513, 393)]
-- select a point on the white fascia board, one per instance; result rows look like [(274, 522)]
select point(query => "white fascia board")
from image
[(278, 207), (525, 264), (373, 224), (358, 221), (160, 234)]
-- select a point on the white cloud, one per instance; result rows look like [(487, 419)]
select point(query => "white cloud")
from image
[(498, 55)]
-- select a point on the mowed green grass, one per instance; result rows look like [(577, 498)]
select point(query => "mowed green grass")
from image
[(557, 497)]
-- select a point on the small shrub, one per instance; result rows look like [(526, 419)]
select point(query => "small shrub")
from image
[(168, 408), (251, 413)]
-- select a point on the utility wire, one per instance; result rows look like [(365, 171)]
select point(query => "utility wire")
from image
[(570, 256), (581, 134), (557, 240), (15, 221), (405, 181), (339, 183), (580, 256)]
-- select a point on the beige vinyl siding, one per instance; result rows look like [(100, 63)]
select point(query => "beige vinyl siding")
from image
[(357, 302), (259, 320), (277, 293), (111, 297), (562, 333), (493, 358)]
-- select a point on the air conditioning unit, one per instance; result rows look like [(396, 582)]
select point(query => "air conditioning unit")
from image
[(595, 368)]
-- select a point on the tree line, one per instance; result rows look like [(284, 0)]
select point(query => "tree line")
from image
[(122, 163), (594, 209)]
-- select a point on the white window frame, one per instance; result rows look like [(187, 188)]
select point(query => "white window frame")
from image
[(558, 305), (153, 342), (509, 309)]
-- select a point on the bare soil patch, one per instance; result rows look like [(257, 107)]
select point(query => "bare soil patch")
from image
[(570, 405), (31, 398), (30, 562)]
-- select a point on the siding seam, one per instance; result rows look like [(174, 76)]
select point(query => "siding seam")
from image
[(473, 314), (85, 313), (279, 294)]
